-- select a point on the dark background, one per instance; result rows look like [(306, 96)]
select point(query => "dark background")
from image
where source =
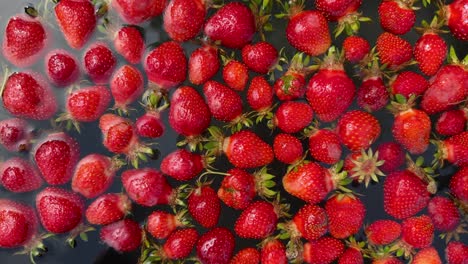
[(90, 137)]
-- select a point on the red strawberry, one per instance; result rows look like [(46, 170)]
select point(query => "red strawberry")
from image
[(337, 9), (293, 117), (325, 146), (417, 231), (355, 48), (405, 194), (345, 215), (456, 253), (137, 11), (260, 57), (287, 148), (246, 256), (387, 260), (383, 232), (453, 149), (150, 124), (19, 175), (363, 166), (147, 187), (180, 243), (372, 95), (216, 246), (161, 224), (273, 252), (203, 64), (459, 183), (396, 17), (184, 19), (291, 85), (129, 43), (56, 156), (430, 51), (451, 122), (455, 18), (330, 91), (238, 188), (204, 206), (24, 40), (27, 95), (389, 54), (182, 165), (233, 25), (127, 85), (393, 156), (86, 104), (60, 210), (259, 94), (166, 65), (358, 130), (18, 224), (62, 67), (15, 134), (444, 214), (408, 83), (99, 62), (123, 236), (225, 104), (324, 250), (257, 221), (93, 175), (235, 74), (310, 222), (108, 208), (351, 256), (77, 21), (427, 256)]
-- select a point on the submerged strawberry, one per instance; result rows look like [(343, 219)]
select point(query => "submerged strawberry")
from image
[(372, 95), (430, 51), (216, 246), (452, 122), (99, 62), (292, 117), (239, 187), (310, 222), (129, 43), (260, 94), (355, 48), (235, 74), (77, 21), (273, 252), (246, 256), (108, 208), (458, 184), (456, 253), (62, 67), (126, 85), (257, 221), (137, 11), (179, 244), (182, 165), (260, 57), (418, 231), (393, 156), (184, 19), (287, 148), (161, 224), (427, 256), (204, 206), (444, 214), (203, 64), (292, 84), (15, 134), (337, 9), (19, 175), (150, 124), (123, 236), (224, 103), (18, 224)]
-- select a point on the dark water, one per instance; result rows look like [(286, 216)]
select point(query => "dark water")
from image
[(90, 137)]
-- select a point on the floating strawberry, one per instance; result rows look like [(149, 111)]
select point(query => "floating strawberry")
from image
[(396, 17), (123, 236), (452, 122), (235, 74), (430, 50), (393, 156), (351, 255), (136, 12), (383, 232), (99, 62), (203, 64), (457, 183), (246, 256), (291, 85), (204, 206), (454, 17), (453, 149), (260, 57), (127, 85), (358, 130), (184, 19), (444, 214), (292, 117), (372, 95), (108, 208), (324, 145), (323, 250), (273, 252), (355, 48), (62, 67), (287, 148), (19, 175), (15, 134), (260, 95), (427, 255), (77, 21), (257, 221), (310, 222), (408, 83), (179, 244), (456, 253), (339, 208), (161, 224), (216, 246), (183, 165), (389, 54), (129, 43)]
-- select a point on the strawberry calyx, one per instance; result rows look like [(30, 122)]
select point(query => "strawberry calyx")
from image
[(240, 122), (350, 24), (431, 28), (366, 167), (300, 64), (150, 251), (264, 182), (400, 104), (35, 247), (290, 8), (453, 59), (140, 152), (402, 249), (337, 178), (80, 231), (424, 173), (333, 60), (379, 253), (262, 10), (454, 234), (215, 143), (441, 154)]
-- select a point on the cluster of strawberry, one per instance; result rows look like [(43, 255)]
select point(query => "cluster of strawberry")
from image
[(226, 118)]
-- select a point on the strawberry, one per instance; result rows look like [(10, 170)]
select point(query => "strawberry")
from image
[(330, 91), (257, 221), (396, 17), (204, 206), (287, 148), (417, 231), (408, 83), (387, 260), (351, 256), (444, 214), (405, 194), (355, 48), (203, 64), (24, 40), (225, 104), (427, 256), (19, 175), (393, 156), (339, 210), (61, 67), (358, 130), (325, 146), (454, 16), (27, 95), (86, 104), (337, 9), (147, 187), (150, 124), (18, 224), (310, 222), (458, 184), (456, 253), (15, 134), (108, 208), (161, 224), (136, 12), (235, 74), (292, 117), (383, 232), (239, 188), (233, 25), (260, 57), (56, 156), (166, 65), (273, 252), (129, 43), (451, 122), (260, 94), (291, 85), (372, 95), (324, 250), (216, 246), (182, 165), (390, 55), (184, 19), (364, 166), (94, 174), (60, 210), (99, 62), (430, 51), (123, 236), (180, 243), (77, 21), (127, 85), (453, 149), (246, 256)]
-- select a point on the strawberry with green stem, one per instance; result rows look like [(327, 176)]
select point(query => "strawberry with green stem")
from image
[(260, 97), (408, 83), (353, 253), (183, 20), (292, 117), (430, 50), (203, 204), (262, 10), (372, 95), (235, 73), (15, 134), (382, 232), (454, 16), (364, 166), (161, 224), (416, 233), (126, 85), (446, 218), (203, 63), (339, 207), (150, 124), (108, 208), (394, 58), (452, 122), (396, 16), (178, 246), (454, 150)]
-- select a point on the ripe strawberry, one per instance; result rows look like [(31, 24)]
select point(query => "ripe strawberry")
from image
[(260, 57), (310, 222), (60, 210), (325, 146), (246, 256), (383, 232), (129, 43), (239, 188), (417, 231), (147, 187), (444, 214), (351, 256), (15, 134), (61, 67), (323, 250), (273, 252), (166, 65), (458, 184), (292, 117), (94, 174), (389, 54), (453, 149), (216, 246), (161, 224), (260, 94), (454, 16), (136, 11), (24, 40), (386, 260), (330, 91), (427, 256), (358, 130), (204, 206), (150, 124), (451, 122), (184, 19), (27, 95), (203, 64), (86, 104), (405, 194), (257, 221), (396, 17), (182, 165), (127, 85), (456, 253), (291, 85), (19, 175), (363, 166), (123, 236), (77, 21), (233, 25), (408, 83), (345, 215), (235, 74), (224, 104), (18, 224), (337, 9), (430, 51), (372, 95), (179, 244), (108, 208), (393, 156), (56, 156), (287, 148), (355, 48), (99, 62)]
